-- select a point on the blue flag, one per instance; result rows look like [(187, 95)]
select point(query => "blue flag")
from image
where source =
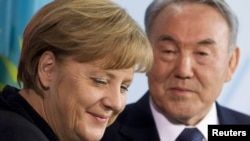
[(14, 16)]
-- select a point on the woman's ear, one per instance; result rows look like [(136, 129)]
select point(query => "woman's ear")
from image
[(46, 68), (233, 63)]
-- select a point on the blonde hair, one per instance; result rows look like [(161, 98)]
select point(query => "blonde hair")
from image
[(85, 30)]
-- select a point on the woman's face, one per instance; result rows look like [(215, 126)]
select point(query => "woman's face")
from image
[(84, 99)]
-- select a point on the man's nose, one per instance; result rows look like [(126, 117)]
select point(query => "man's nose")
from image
[(184, 67)]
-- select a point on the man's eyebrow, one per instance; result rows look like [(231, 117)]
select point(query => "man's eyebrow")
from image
[(207, 42), (167, 38)]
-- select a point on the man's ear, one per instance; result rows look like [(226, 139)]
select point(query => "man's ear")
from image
[(233, 63), (46, 68)]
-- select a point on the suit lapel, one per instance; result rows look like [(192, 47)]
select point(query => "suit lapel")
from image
[(139, 124), (229, 116)]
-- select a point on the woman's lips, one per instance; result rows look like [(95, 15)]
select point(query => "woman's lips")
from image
[(99, 117)]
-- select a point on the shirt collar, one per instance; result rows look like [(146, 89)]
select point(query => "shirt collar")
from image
[(169, 132)]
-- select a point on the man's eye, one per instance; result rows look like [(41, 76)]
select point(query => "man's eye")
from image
[(202, 53), (169, 51)]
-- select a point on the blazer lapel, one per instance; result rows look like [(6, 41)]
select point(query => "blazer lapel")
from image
[(229, 116), (139, 124)]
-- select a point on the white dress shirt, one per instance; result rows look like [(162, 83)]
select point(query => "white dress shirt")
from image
[(169, 132)]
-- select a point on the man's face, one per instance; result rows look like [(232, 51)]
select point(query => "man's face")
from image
[(191, 61)]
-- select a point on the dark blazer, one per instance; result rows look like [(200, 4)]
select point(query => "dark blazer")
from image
[(19, 121), (14, 127), (136, 122)]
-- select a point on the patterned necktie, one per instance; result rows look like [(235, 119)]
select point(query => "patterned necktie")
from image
[(190, 134)]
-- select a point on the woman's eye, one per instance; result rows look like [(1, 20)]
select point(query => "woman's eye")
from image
[(124, 88), (99, 81)]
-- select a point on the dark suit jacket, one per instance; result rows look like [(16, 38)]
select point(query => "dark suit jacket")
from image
[(136, 122)]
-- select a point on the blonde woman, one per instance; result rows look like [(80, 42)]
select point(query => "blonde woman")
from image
[(77, 62)]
